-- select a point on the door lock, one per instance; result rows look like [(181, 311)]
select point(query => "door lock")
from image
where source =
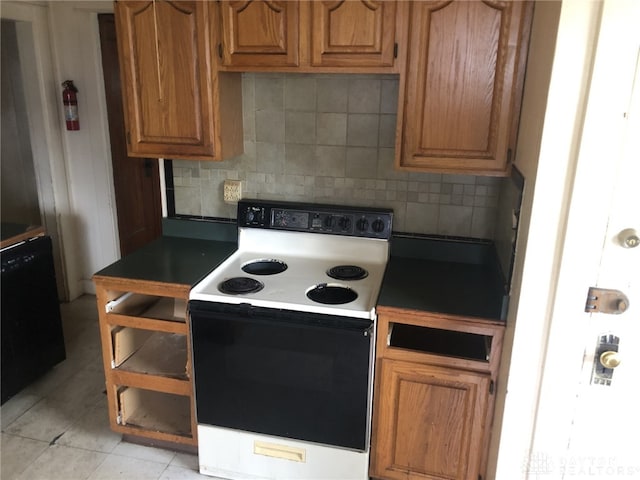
[(606, 359), (629, 238), (610, 359), (604, 300)]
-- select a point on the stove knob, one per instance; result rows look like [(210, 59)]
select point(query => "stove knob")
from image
[(377, 225), (345, 223), (330, 221), (250, 216), (362, 224)]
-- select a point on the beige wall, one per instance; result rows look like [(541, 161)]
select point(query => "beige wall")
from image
[(330, 139)]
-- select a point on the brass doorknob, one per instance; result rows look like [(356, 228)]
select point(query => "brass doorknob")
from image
[(629, 238), (610, 359)]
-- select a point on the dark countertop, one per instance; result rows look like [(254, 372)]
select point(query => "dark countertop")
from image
[(170, 259), (444, 276), (449, 276)]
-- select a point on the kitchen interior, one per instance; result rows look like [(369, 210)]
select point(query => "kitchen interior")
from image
[(315, 146)]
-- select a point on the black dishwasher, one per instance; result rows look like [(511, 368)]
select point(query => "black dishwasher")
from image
[(31, 336)]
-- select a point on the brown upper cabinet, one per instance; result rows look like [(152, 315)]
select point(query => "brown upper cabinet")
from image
[(260, 33), (336, 35), (176, 104), (353, 33), (461, 94)]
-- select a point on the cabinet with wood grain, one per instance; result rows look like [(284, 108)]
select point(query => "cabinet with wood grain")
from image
[(433, 396), (302, 36), (462, 88), (176, 104), (358, 33), (260, 33)]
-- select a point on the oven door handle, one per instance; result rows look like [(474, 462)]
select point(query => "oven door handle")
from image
[(248, 313)]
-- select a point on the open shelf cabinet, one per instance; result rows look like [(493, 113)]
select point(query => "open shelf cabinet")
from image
[(146, 355), (154, 411)]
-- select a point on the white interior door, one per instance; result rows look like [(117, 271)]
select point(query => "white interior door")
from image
[(605, 438), (586, 429)]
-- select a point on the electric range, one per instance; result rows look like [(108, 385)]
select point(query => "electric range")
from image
[(283, 336)]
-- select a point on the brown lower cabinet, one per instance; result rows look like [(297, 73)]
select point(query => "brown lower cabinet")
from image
[(433, 398), (146, 355)]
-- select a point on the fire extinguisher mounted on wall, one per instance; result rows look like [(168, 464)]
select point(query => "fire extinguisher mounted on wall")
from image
[(70, 102)]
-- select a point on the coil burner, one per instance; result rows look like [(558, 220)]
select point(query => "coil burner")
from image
[(331, 294), (240, 285), (347, 272), (264, 267)]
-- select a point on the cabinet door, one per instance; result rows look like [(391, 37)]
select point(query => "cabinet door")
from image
[(164, 50), (463, 85), (260, 33), (428, 422), (353, 33)]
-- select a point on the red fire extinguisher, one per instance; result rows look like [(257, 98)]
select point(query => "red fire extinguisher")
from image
[(70, 101)]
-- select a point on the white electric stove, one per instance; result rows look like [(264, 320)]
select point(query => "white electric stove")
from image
[(310, 262), (283, 337)]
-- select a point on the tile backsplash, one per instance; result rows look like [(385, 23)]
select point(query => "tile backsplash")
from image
[(330, 139)]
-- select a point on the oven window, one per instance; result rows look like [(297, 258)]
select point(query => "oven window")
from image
[(282, 373)]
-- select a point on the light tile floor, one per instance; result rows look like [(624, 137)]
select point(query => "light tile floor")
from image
[(58, 427)]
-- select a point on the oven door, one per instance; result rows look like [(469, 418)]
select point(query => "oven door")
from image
[(290, 374)]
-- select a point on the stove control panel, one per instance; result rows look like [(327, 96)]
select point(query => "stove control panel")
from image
[(316, 218)]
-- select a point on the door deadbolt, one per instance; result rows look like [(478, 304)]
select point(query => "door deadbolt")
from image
[(604, 300), (606, 359)]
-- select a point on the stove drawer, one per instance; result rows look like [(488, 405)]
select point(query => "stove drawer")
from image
[(223, 452)]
